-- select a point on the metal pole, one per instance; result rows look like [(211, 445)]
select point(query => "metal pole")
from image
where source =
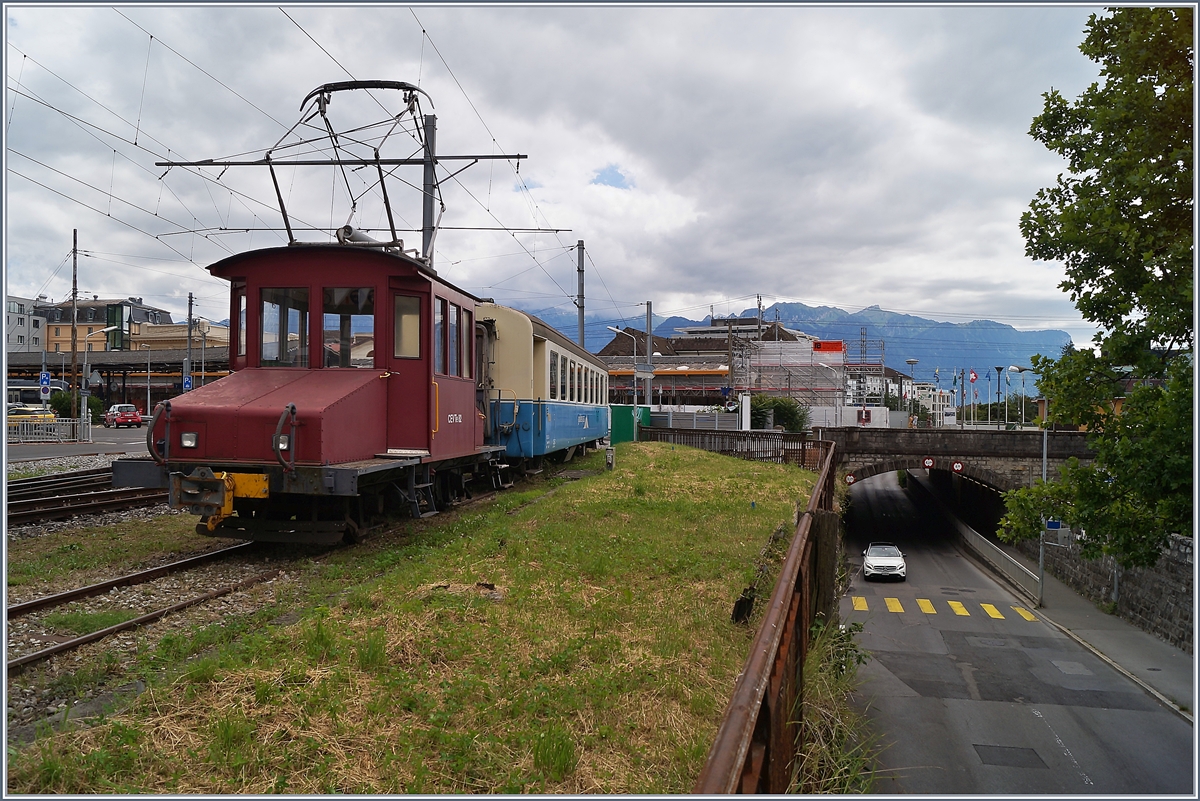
[(187, 363), (429, 187), (649, 351), (147, 378), (1042, 539), (203, 345), (579, 301), (74, 319)]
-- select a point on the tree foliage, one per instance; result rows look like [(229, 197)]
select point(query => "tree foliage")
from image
[(1121, 224), (789, 412)]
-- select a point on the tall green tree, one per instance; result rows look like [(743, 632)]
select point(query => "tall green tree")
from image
[(1120, 222)]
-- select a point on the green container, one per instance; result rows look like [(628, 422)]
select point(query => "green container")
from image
[(622, 422)]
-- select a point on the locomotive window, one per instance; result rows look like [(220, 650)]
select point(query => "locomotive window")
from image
[(348, 327), (241, 351), (407, 327), (284, 332), (467, 328), (553, 375), (455, 345), (439, 336)]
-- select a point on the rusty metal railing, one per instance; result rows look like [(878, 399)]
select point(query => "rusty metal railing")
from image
[(761, 732), (758, 446)]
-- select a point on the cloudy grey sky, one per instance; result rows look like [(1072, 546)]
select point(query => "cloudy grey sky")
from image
[(843, 156)]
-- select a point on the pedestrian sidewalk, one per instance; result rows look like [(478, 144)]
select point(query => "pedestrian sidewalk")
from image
[(1165, 670)]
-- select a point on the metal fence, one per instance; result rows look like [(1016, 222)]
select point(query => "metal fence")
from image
[(757, 446), (757, 742), (61, 430), (713, 421)]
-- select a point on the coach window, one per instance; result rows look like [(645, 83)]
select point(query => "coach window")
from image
[(467, 328), (407, 320), (553, 375), (562, 379), (571, 396), (439, 336), (284, 332), (455, 345), (348, 327)]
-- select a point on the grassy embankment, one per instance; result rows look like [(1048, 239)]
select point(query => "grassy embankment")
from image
[(571, 638)]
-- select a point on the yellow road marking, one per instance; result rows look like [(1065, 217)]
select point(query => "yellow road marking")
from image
[(992, 611), (860, 603), (1025, 613), (893, 605), (926, 606), (959, 609)]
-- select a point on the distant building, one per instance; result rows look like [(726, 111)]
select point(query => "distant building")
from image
[(172, 336), (24, 326), (126, 316)]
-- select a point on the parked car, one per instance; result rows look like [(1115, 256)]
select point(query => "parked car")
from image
[(122, 414), (883, 560), (18, 413)]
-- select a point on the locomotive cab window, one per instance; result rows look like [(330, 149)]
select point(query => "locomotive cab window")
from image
[(348, 327), (407, 321), (284, 321)]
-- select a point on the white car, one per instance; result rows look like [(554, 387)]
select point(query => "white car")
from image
[(882, 559)]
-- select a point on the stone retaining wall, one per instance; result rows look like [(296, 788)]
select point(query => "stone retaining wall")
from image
[(1157, 600)]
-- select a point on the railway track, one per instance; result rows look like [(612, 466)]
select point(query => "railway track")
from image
[(57, 497), (132, 579)]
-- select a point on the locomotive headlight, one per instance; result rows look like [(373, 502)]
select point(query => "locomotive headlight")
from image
[(189, 439), (282, 442)]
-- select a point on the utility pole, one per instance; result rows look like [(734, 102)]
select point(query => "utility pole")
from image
[(579, 300), (430, 186), (649, 350), (187, 362), (74, 319)]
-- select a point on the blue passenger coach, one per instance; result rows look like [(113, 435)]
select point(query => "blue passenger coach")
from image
[(547, 394)]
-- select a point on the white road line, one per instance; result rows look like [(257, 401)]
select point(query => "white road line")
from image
[(1062, 745)]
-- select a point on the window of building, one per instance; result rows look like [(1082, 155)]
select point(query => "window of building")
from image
[(57, 331), (20, 339), (36, 341), (21, 322), (284, 335), (56, 347), (407, 339), (349, 327), (37, 323), (553, 375)]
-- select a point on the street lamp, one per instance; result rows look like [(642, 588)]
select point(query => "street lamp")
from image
[(912, 381), (85, 355), (633, 380), (1000, 370), (146, 345), (1012, 368), (837, 411)]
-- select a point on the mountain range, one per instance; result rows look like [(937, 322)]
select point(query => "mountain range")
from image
[(978, 345)]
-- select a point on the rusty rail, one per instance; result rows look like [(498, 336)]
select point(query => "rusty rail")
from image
[(760, 734), (757, 446)]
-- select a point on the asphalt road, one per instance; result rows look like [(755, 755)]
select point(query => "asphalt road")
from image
[(104, 440), (969, 695)]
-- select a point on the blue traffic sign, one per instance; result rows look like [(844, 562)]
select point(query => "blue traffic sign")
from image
[(187, 383), (1053, 525), (44, 379)]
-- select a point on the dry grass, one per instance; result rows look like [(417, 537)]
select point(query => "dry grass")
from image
[(580, 643)]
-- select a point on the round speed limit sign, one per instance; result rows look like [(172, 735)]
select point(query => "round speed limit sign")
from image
[(957, 467), (927, 462), (849, 478)]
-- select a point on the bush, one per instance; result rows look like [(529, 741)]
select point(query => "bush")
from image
[(63, 404), (789, 413)]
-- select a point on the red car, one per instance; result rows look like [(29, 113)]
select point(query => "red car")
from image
[(122, 414)]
